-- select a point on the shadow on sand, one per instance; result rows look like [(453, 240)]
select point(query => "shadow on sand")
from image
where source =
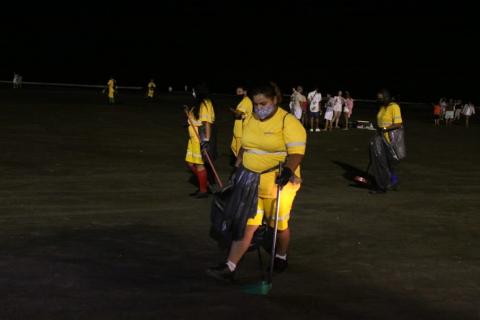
[(351, 172)]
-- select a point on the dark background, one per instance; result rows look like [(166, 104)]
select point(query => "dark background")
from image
[(420, 50)]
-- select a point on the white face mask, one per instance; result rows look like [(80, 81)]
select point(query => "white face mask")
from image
[(264, 112)]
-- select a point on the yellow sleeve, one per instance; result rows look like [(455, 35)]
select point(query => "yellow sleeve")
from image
[(205, 115), (396, 114), (245, 106), (294, 135)]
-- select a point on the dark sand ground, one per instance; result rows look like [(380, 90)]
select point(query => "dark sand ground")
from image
[(96, 222)]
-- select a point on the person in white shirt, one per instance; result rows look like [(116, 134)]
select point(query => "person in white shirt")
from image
[(468, 110), (315, 100), (299, 102), (17, 81), (458, 111), (338, 103), (443, 106), (450, 112), (347, 109), (328, 113)]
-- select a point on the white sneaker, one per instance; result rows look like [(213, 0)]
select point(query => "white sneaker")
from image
[(317, 130), (311, 130)]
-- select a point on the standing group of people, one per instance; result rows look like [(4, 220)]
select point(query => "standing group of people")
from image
[(309, 109), (452, 110), (268, 145)]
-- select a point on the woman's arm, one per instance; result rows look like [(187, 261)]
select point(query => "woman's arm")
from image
[(293, 161), (238, 162), (392, 127), (208, 130)]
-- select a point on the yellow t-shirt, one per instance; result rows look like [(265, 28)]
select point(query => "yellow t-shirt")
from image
[(151, 86), (245, 106), (207, 114), (266, 143), (193, 126), (389, 115), (111, 88)]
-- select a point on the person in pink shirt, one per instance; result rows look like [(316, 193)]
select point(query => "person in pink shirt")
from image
[(347, 109)]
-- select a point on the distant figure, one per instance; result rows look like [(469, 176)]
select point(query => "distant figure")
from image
[(194, 94), (383, 163), (458, 113), (170, 89), (443, 106), (328, 113), (112, 90), (338, 103), (437, 112), (449, 113), (186, 88), (241, 113), (151, 89), (17, 81), (347, 109), (468, 110), (296, 101), (315, 100)]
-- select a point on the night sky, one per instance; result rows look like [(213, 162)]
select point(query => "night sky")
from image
[(419, 51)]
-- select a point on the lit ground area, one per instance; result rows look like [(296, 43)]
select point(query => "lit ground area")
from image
[(96, 221)]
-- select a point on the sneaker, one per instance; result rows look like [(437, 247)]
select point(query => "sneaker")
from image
[(279, 265), (193, 194), (311, 130), (394, 187), (377, 191), (201, 195), (221, 272), (317, 130)]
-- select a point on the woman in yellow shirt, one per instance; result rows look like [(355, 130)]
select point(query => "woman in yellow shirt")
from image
[(112, 90), (389, 119), (151, 87), (241, 112), (270, 136), (201, 119)]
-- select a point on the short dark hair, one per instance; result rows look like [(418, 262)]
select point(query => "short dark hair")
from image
[(269, 90)]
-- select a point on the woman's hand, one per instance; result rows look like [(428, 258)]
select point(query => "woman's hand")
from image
[(284, 177)]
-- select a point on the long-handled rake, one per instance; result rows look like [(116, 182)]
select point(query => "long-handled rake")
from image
[(264, 287)]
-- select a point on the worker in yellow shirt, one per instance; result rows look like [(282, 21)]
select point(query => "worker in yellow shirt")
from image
[(270, 136), (151, 87), (112, 90), (202, 117), (389, 121), (241, 112)]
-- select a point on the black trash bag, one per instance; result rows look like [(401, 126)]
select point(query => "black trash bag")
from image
[(220, 223), (220, 231), (233, 206), (397, 144), (381, 161)]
